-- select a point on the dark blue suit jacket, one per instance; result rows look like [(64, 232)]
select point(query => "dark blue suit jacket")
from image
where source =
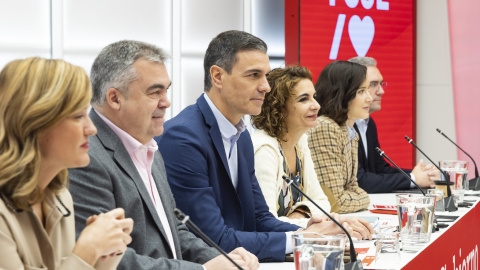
[(374, 174), (198, 174)]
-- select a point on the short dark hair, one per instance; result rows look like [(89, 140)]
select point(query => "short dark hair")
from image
[(223, 49), (274, 108), (336, 86)]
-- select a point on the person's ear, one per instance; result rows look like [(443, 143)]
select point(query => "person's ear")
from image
[(217, 73), (114, 98)]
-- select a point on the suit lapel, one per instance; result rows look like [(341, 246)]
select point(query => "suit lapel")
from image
[(361, 148), (244, 190), (111, 142), (214, 131), (163, 189), (371, 138)]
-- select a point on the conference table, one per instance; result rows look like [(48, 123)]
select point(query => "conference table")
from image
[(454, 247)]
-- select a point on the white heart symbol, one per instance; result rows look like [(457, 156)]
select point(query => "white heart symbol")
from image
[(361, 33)]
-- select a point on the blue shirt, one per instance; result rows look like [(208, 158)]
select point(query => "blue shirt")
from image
[(230, 135), (362, 125)]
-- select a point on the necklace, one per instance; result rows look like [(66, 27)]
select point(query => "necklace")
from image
[(12, 207), (9, 205), (285, 163)]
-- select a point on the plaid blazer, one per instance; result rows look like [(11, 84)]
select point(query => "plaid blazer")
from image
[(336, 164)]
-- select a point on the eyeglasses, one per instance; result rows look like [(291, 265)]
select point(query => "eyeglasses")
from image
[(375, 85)]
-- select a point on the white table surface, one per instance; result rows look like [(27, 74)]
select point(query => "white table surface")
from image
[(383, 199)]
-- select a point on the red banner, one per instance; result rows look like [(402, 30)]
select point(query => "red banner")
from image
[(318, 32)]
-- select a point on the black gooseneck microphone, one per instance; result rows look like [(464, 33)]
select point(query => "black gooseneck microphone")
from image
[(186, 220), (382, 154), (353, 264), (448, 200), (474, 184)]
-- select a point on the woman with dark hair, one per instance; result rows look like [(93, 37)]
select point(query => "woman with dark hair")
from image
[(44, 129), (341, 91)]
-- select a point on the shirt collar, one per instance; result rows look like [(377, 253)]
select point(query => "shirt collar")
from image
[(227, 129), (131, 144), (362, 122), (351, 132)]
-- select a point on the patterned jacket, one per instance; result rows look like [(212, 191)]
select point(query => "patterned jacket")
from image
[(336, 164)]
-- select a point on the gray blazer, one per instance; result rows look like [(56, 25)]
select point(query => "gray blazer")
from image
[(111, 180)]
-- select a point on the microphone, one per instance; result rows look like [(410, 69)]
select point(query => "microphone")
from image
[(353, 264), (186, 220), (382, 154), (474, 184), (448, 200)]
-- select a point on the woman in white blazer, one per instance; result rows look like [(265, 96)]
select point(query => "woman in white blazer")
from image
[(281, 147), (289, 110)]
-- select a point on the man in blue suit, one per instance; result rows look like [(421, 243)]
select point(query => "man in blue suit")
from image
[(209, 156)]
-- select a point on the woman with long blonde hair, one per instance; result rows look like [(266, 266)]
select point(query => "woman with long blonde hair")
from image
[(44, 129)]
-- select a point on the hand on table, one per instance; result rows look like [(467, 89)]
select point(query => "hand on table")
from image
[(240, 256)]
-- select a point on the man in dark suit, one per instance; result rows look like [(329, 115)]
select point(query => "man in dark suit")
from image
[(209, 156), (130, 83), (374, 174)]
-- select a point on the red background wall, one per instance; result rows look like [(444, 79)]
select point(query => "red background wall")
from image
[(310, 27)]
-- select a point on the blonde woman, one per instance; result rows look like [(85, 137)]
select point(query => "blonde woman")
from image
[(44, 129)]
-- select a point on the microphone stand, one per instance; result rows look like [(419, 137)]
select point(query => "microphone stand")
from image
[(448, 200), (353, 264), (186, 220), (382, 154), (474, 183)]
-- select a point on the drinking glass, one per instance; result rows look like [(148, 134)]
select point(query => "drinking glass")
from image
[(457, 170), (415, 219), (387, 249), (439, 205), (318, 251)]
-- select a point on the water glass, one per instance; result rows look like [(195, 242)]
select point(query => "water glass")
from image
[(387, 249), (458, 173), (438, 193), (415, 219), (318, 251)]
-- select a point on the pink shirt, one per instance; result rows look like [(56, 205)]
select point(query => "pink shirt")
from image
[(142, 156)]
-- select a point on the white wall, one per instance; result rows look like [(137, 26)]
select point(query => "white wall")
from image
[(24, 29), (200, 22), (76, 30), (434, 81)]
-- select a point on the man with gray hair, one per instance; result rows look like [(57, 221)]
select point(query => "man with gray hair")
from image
[(130, 83), (374, 174)]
